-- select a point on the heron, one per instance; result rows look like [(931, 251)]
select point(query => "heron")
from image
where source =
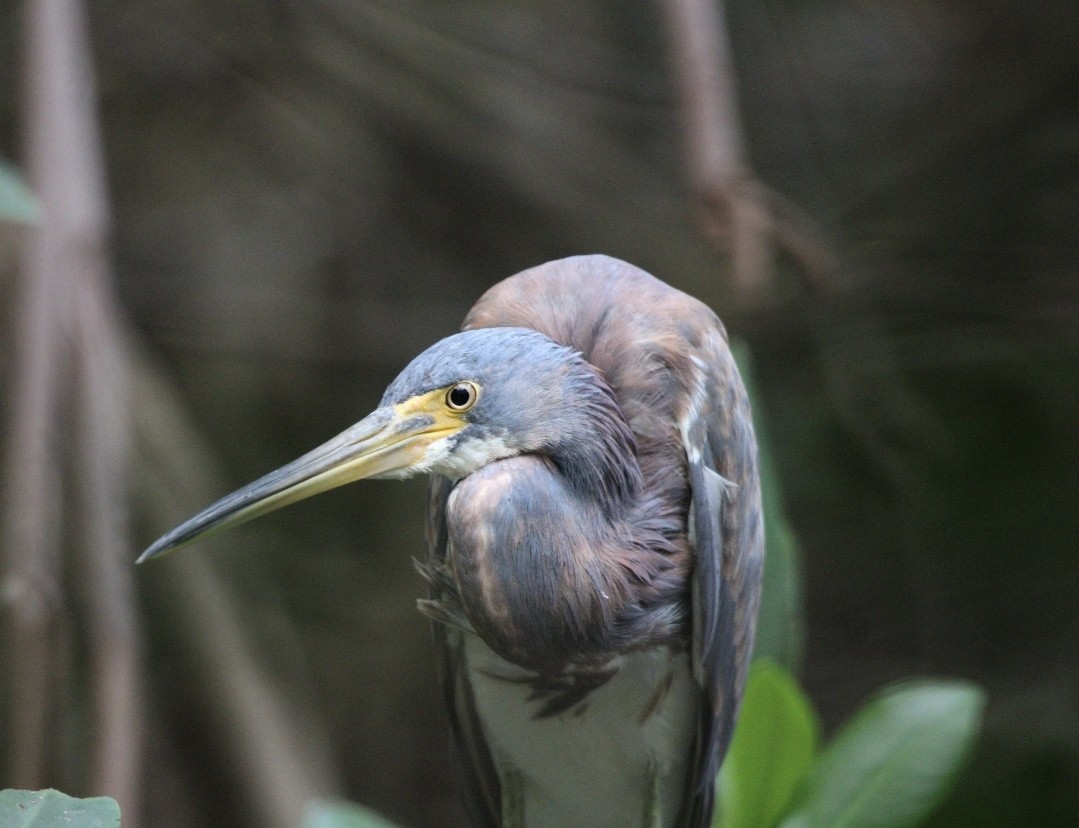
[(595, 541)]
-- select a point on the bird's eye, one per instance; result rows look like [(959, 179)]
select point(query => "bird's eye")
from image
[(462, 396)]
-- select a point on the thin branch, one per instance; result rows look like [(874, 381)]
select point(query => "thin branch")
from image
[(103, 406), (737, 212), (68, 321), (30, 589), (113, 632), (704, 69), (103, 426), (34, 504)]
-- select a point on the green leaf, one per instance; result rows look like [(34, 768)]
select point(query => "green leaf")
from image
[(780, 633), (342, 815), (895, 760), (48, 809), (17, 203), (771, 752)]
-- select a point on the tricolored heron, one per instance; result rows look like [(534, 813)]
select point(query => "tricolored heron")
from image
[(595, 541)]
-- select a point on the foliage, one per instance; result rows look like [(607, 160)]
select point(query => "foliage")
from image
[(889, 766), (773, 748), (895, 760), (886, 768), (780, 633), (17, 203), (49, 808), (343, 815)]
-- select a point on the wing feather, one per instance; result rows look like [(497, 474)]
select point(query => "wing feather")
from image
[(728, 542)]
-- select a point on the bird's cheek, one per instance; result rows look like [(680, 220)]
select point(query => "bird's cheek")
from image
[(464, 454)]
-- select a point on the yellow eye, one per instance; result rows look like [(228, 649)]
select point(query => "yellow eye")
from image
[(462, 396)]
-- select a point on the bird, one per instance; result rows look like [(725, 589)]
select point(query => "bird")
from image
[(595, 541)]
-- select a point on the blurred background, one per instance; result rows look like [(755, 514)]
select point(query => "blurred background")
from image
[(294, 198)]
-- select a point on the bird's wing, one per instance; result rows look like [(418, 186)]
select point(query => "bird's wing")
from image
[(479, 779), (728, 540)]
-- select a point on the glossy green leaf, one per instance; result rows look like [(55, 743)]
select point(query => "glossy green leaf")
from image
[(17, 203), (343, 815), (771, 753), (895, 760), (779, 625), (49, 808)]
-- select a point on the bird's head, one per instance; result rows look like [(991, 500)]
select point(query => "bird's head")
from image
[(468, 400), (479, 396)]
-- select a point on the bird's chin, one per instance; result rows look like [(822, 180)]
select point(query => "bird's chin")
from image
[(456, 457)]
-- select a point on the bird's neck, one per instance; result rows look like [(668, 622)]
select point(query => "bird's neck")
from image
[(597, 454), (543, 576)]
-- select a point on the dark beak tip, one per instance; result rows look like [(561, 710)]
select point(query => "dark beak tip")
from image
[(155, 550), (261, 496)]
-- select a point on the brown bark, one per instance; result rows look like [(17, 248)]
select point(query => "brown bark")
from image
[(68, 421), (737, 212)]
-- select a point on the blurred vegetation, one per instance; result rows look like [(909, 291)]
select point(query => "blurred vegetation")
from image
[(773, 749), (305, 194), (888, 767), (894, 761), (52, 809), (343, 815), (781, 620), (17, 203)]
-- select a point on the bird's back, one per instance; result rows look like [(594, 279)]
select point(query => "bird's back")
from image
[(638, 331)]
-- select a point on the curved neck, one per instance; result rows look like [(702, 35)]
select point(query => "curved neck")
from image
[(596, 452)]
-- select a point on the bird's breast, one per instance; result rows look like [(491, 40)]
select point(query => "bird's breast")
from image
[(532, 566), (619, 754)]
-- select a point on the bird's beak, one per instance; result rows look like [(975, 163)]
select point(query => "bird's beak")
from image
[(390, 442)]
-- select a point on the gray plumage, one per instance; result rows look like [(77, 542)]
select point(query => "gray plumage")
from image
[(595, 542), (569, 556)]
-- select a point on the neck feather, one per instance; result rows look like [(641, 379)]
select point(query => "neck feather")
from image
[(596, 452)]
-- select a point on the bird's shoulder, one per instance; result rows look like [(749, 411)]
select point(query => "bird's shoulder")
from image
[(647, 339)]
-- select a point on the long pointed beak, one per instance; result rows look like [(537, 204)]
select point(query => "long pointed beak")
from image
[(388, 442)]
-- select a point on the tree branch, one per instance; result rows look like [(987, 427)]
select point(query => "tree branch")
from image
[(34, 503), (738, 213), (68, 322)]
